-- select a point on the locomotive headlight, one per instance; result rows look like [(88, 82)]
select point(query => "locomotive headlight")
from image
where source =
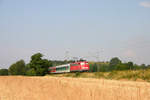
[(82, 63)]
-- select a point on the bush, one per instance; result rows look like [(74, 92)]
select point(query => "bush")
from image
[(17, 68), (77, 74), (31, 72), (93, 67), (103, 68), (3, 72)]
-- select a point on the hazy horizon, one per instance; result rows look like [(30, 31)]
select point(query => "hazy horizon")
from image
[(86, 28)]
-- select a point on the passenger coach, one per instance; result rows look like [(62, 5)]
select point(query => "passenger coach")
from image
[(72, 67)]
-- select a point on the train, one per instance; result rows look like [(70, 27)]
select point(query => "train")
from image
[(80, 66)]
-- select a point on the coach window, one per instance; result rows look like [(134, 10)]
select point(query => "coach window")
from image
[(63, 68), (67, 67), (75, 64)]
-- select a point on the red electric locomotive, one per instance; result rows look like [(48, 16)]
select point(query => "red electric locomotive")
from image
[(72, 67)]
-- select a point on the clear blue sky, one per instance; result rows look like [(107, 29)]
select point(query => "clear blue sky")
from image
[(83, 27)]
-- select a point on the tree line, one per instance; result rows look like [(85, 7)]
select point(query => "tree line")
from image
[(39, 66), (36, 67), (115, 64)]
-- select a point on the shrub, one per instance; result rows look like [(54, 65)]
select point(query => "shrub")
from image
[(31, 72), (77, 74), (17, 68), (103, 68), (3, 72)]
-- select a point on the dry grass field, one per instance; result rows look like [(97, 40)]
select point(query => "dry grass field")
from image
[(62, 88)]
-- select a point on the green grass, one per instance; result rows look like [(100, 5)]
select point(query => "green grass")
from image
[(115, 75)]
